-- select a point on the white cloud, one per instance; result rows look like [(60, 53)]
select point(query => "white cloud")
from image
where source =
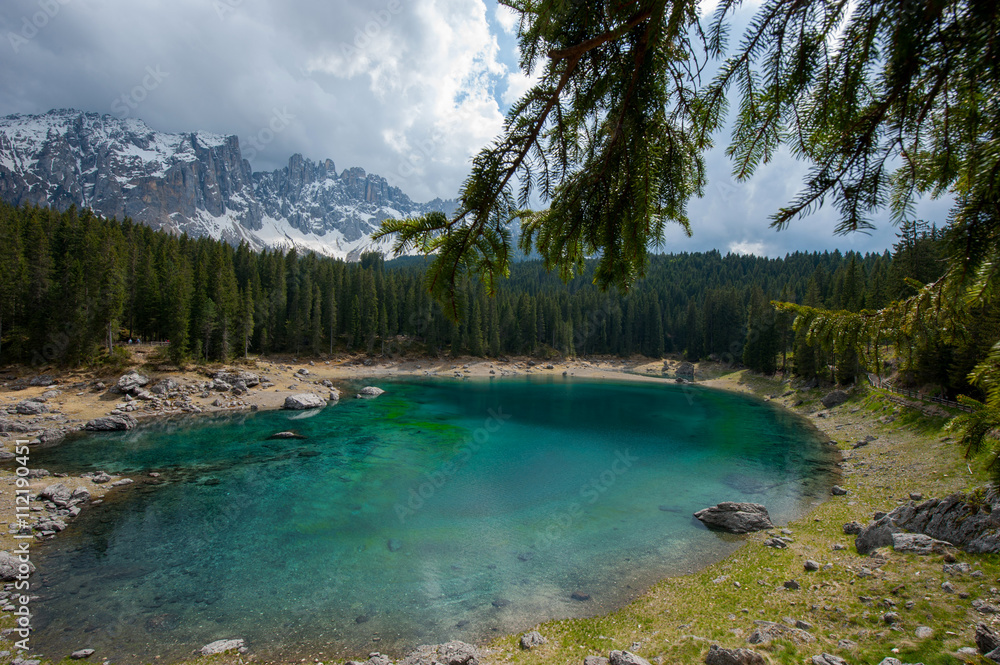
[(508, 19), (748, 247), (433, 73), (518, 83), (404, 88)]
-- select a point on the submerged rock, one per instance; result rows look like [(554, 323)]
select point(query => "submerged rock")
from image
[(222, 646), (736, 517), (304, 401), (286, 435)]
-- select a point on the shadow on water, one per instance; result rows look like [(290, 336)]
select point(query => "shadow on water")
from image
[(444, 510)]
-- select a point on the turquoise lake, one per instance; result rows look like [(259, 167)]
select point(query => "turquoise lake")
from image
[(441, 510)]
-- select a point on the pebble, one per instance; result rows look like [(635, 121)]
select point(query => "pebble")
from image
[(811, 565)]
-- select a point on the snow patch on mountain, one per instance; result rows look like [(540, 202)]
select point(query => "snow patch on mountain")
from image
[(196, 183)]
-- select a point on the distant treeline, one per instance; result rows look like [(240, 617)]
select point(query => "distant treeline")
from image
[(73, 284)]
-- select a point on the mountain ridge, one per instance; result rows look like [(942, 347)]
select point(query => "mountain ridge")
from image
[(194, 182)]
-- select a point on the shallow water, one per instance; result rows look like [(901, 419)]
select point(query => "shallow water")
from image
[(441, 510)]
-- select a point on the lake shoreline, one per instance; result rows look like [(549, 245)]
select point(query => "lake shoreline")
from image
[(849, 419)]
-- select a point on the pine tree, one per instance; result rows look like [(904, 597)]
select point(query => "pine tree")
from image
[(244, 320), (762, 343), (612, 134), (180, 289), (476, 329)]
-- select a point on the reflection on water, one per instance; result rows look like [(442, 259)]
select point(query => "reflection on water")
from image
[(438, 511)]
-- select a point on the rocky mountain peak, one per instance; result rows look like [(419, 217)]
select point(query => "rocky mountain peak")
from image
[(194, 182)]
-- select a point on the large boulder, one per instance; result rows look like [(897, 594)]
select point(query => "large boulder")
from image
[(370, 392), (304, 401), (58, 494), (42, 380), (769, 630), (130, 381), (828, 659), (918, 543), (118, 423), (451, 653), (222, 646), (987, 639), (532, 640), (835, 398), (969, 522), (165, 386), (736, 517), (13, 426), (10, 566), (54, 435), (31, 407), (875, 535), (232, 377), (626, 658), (718, 656)]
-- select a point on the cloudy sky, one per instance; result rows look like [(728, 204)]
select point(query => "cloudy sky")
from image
[(408, 89)]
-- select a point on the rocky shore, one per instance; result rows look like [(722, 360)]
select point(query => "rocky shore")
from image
[(819, 590)]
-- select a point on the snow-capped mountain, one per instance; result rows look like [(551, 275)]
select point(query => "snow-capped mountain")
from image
[(197, 183)]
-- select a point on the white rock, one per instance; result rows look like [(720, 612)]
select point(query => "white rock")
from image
[(304, 401), (222, 646)]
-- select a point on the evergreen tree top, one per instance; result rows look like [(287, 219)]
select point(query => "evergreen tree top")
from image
[(886, 99)]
